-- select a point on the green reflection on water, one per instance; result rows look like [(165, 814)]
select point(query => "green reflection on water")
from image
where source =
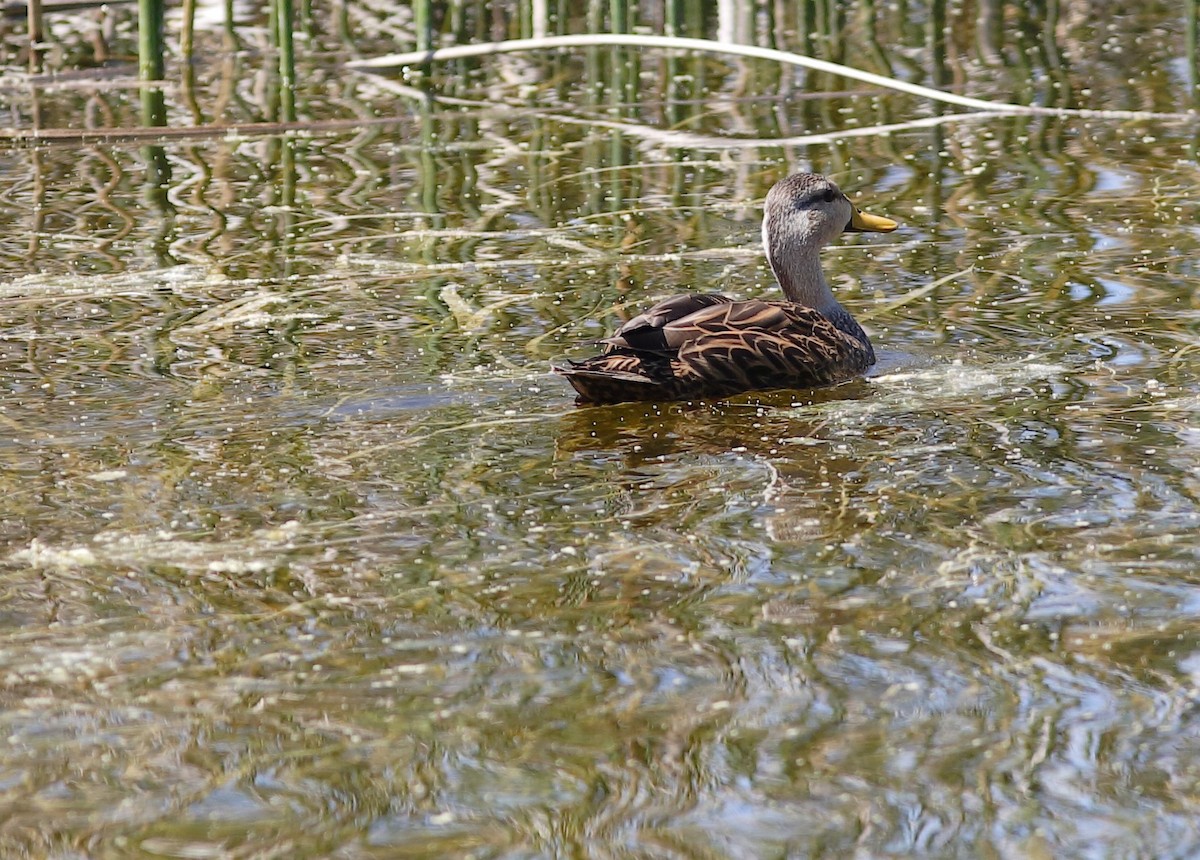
[(306, 552)]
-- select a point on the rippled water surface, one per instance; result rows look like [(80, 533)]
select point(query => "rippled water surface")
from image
[(306, 554)]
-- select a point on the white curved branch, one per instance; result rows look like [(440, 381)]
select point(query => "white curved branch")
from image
[(456, 52)]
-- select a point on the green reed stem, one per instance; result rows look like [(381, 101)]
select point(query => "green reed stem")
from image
[(1193, 48), (525, 17), (187, 80), (187, 29), (342, 16), (33, 11), (423, 24), (937, 43), (150, 40), (284, 17), (618, 11), (806, 22), (673, 23)]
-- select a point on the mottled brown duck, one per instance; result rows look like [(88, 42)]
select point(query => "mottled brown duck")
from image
[(705, 345)]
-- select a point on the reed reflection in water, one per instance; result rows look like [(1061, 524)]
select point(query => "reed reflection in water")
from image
[(306, 554)]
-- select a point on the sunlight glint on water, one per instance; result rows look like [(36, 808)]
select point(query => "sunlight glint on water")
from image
[(307, 554)]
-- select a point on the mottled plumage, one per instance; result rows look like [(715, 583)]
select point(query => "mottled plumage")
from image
[(707, 345)]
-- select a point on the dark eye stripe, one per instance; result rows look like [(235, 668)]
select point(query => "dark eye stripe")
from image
[(811, 199)]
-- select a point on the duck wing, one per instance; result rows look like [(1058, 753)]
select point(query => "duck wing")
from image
[(806, 351), (671, 325), (646, 330)]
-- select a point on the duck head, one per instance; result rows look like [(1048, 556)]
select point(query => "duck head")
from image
[(803, 213)]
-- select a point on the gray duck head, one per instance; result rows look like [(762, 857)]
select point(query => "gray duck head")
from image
[(803, 213)]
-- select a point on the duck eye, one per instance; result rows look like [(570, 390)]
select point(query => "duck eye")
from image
[(829, 195)]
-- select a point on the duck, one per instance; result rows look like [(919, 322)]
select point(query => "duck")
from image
[(700, 346)]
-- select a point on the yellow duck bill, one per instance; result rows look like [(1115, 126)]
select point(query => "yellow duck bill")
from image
[(864, 222)]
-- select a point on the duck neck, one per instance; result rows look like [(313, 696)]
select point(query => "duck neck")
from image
[(803, 283)]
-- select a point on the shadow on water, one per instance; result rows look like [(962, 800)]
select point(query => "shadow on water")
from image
[(745, 424)]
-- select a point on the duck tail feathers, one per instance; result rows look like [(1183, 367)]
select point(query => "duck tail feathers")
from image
[(605, 385)]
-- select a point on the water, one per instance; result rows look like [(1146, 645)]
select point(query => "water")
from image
[(306, 553)]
